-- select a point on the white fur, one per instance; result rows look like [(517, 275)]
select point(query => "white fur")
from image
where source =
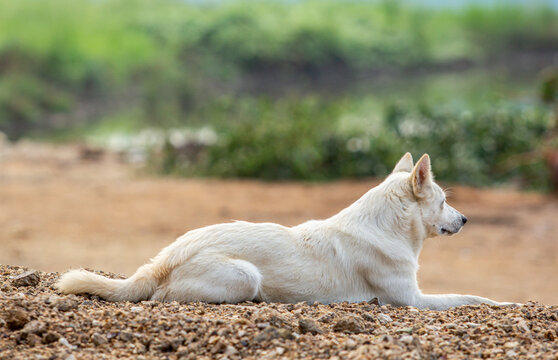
[(369, 249)]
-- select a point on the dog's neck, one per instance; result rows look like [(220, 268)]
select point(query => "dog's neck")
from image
[(372, 218)]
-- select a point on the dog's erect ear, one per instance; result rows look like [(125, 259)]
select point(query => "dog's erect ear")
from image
[(421, 178), (404, 164)]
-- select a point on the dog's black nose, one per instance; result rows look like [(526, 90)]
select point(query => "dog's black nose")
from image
[(463, 219)]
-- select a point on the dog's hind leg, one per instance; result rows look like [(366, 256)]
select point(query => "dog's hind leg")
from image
[(213, 279)]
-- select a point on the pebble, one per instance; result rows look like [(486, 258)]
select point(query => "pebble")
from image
[(405, 330), (350, 344), (65, 342), (28, 278), (309, 326), (384, 318), (349, 325), (230, 350), (98, 339), (50, 337), (406, 339), (267, 334), (286, 334), (61, 303), (125, 336), (261, 330), (34, 327), (374, 301), (511, 354), (15, 318)]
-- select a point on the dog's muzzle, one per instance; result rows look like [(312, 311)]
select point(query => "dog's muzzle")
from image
[(450, 230)]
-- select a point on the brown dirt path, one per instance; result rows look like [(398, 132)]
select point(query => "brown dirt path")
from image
[(59, 211)]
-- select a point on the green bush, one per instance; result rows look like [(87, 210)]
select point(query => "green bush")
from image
[(301, 139)]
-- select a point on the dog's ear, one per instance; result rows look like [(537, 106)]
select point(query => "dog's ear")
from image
[(421, 178), (404, 164)]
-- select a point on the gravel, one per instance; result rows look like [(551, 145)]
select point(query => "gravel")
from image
[(38, 323)]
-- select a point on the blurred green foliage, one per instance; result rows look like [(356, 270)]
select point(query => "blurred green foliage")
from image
[(94, 66), (467, 146), (171, 55)]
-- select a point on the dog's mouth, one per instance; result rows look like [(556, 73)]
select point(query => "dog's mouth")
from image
[(445, 231)]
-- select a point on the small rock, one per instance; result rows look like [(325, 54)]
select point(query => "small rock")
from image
[(6, 287), (98, 339), (65, 342), (286, 334), (374, 301), (327, 318), (269, 333), (174, 343), (50, 337), (511, 354), (218, 348), (15, 318), (135, 309), (405, 330), (280, 350), (384, 318), (406, 339), (33, 340), (52, 299), (125, 336), (34, 327), (230, 350), (66, 304), (309, 326), (165, 346), (350, 325), (28, 278), (350, 344)]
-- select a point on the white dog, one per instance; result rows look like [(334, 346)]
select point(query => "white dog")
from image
[(369, 249)]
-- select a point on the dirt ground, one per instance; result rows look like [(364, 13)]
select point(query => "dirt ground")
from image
[(59, 211)]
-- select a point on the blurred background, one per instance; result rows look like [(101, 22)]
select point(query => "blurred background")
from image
[(124, 123)]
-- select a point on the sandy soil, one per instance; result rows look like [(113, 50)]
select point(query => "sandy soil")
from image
[(59, 211)]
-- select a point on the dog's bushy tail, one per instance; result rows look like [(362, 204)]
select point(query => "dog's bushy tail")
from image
[(139, 286)]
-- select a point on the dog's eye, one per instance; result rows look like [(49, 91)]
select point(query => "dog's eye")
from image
[(442, 204)]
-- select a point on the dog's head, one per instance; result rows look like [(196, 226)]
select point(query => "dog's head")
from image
[(437, 216)]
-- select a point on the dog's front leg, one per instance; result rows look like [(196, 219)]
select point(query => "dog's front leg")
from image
[(446, 301)]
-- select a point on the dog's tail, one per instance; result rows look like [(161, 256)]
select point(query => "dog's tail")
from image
[(139, 286)]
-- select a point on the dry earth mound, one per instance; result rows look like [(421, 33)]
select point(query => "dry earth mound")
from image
[(38, 323)]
